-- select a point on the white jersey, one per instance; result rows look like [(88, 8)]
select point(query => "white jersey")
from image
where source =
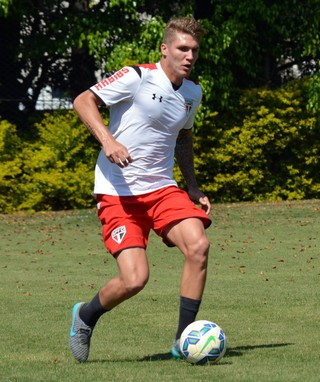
[(146, 115)]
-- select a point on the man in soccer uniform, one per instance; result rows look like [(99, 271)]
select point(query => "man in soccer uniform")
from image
[(152, 110)]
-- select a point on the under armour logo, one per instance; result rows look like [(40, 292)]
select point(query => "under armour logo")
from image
[(155, 96)]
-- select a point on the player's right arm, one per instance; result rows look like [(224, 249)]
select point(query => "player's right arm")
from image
[(87, 105)]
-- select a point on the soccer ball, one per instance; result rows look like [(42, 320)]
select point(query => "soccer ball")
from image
[(203, 342)]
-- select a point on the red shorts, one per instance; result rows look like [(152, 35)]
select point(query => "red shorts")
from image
[(127, 220)]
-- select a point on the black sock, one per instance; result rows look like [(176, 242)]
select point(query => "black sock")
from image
[(92, 311), (188, 312)]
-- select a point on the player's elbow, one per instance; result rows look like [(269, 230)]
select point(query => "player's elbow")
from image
[(78, 102), (86, 98)]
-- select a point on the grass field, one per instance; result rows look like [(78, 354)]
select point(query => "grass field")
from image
[(263, 288)]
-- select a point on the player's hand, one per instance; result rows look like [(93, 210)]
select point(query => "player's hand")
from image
[(118, 154), (198, 196)]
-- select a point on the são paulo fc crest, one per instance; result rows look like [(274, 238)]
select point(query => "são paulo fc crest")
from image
[(118, 234), (188, 105)]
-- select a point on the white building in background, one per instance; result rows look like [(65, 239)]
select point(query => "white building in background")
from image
[(52, 100)]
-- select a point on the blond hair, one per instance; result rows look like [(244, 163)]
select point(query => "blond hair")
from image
[(187, 25)]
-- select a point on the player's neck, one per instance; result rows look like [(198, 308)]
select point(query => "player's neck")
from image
[(174, 79)]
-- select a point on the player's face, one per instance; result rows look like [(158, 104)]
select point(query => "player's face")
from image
[(179, 56)]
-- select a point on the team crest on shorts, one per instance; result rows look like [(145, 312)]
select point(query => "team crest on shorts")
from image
[(118, 234)]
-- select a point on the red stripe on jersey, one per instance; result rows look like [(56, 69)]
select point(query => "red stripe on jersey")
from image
[(148, 66), (154, 66)]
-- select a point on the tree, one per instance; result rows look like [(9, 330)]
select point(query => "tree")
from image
[(63, 44), (54, 43), (34, 53), (252, 43)]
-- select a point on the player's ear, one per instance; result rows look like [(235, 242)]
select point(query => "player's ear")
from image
[(164, 49)]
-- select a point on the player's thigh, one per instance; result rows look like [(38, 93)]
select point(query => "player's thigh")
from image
[(124, 223), (189, 236), (133, 266)]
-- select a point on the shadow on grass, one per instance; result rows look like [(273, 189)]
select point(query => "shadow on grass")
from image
[(231, 352), (239, 350)]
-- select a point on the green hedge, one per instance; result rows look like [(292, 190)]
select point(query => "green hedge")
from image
[(266, 147), (52, 173), (10, 166)]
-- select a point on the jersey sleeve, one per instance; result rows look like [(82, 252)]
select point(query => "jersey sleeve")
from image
[(122, 85)]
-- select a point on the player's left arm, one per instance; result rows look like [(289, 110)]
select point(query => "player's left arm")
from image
[(185, 160)]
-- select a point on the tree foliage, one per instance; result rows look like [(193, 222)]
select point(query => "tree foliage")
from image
[(64, 44), (258, 43)]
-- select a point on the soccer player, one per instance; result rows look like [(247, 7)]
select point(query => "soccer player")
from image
[(152, 110)]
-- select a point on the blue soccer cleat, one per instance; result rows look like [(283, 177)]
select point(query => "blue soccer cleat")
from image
[(80, 335), (175, 350)]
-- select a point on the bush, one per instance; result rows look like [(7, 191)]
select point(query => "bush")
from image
[(268, 150), (56, 171), (267, 147), (10, 168)]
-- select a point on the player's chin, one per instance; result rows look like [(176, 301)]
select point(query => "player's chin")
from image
[(186, 71)]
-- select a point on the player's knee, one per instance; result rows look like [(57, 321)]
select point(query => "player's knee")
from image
[(198, 252), (204, 245), (135, 284), (201, 246)]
